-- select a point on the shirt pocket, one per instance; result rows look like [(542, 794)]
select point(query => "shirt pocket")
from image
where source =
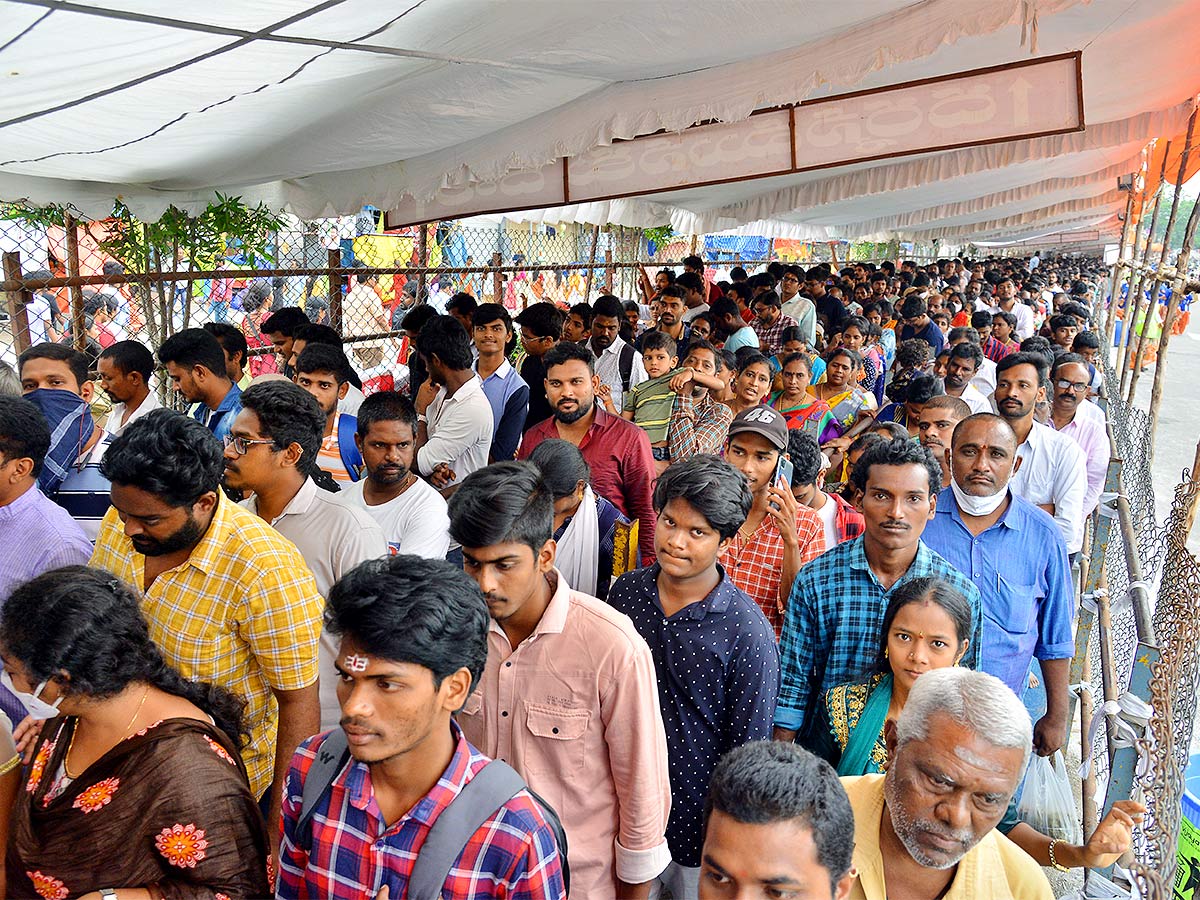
[(555, 738), (1015, 605)]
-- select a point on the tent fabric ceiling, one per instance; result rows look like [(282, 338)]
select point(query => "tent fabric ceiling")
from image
[(320, 107)]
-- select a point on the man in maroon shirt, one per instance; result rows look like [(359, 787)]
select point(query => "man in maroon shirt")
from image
[(617, 451)]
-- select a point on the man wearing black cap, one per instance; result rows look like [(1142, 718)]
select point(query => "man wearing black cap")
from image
[(779, 535)]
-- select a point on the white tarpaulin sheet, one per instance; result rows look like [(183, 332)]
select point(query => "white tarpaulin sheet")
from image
[(320, 107)]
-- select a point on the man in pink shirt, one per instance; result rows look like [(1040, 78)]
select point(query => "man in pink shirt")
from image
[(569, 696)]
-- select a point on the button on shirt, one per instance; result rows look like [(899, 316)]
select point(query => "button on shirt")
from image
[(354, 852), (1020, 566), (460, 431), (508, 395), (718, 672), (618, 453), (587, 736), (833, 619), (1054, 471), (608, 369), (1091, 435), (242, 611), (37, 535)]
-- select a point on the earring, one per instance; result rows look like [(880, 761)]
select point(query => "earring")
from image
[(885, 652)]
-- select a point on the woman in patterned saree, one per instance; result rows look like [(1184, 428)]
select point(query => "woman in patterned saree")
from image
[(927, 625), (136, 786), (801, 409), (849, 402)]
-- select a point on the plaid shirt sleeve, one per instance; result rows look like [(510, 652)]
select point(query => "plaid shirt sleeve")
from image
[(796, 649), (283, 623), (693, 432)]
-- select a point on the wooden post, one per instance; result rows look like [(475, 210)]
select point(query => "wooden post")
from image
[(693, 246), (1156, 391), (1193, 477), (1111, 320), (78, 329), (608, 271), (16, 301), (422, 257), (1152, 309), (497, 278), (337, 285), (1086, 709), (587, 280), (1133, 304)]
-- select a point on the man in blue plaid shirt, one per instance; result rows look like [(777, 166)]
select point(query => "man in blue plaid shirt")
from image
[(835, 612)]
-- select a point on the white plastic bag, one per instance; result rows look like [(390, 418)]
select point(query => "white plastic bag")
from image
[(1047, 802)]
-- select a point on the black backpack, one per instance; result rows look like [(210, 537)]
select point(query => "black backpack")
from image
[(493, 786)]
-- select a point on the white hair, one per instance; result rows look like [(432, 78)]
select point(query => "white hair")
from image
[(978, 701)]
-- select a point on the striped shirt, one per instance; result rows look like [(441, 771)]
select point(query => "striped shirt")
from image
[(84, 492), (651, 403), (354, 852), (329, 458)]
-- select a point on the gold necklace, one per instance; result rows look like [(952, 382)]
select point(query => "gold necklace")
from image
[(71, 743)]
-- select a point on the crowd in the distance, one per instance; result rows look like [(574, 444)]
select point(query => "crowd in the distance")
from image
[(750, 586)]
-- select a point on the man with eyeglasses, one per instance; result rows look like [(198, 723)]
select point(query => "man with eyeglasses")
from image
[(541, 327), (1072, 414), (796, 305)]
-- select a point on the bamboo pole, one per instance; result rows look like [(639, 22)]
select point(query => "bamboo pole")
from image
[(1091, 815), (16, 300), (497, 278), (336, 283), (78, 327), (1134, 301), (1156, 284), (1193, 477), (1111, 320), (1156, 391)]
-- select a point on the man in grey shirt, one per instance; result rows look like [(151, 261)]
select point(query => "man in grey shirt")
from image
[(272, 452)]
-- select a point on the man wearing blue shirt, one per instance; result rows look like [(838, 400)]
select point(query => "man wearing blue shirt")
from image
[(506, 391), (835, 612), (1013, 552), (714, 651), (196, 363)]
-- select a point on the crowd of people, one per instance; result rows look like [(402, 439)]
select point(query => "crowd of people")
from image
[(749, 586)]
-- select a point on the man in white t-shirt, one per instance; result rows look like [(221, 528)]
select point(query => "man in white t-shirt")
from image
[(1006, 301), (411, 513)]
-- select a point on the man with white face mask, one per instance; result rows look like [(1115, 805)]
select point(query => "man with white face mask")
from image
[(1015, 555)]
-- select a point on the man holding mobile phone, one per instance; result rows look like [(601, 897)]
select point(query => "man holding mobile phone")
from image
[(779, 535)]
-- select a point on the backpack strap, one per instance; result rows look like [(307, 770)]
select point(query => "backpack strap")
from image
[(625, 366), (351, 458), (332, 756), (481, 797)]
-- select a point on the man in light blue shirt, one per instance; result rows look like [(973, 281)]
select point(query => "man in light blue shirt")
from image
[(729, 319), (1014, 553)]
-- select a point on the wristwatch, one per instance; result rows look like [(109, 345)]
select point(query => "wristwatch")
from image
[(108, 893), (421, 417)]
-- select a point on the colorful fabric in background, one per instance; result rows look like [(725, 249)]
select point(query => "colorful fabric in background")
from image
[(70, 421)]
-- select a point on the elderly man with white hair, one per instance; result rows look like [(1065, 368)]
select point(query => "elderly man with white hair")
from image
[(927, 828)]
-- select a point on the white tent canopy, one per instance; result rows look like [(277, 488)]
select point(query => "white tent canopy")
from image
[(321, 108)]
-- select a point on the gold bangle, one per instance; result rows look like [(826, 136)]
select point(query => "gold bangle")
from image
[(10, 765), (1053, 861)]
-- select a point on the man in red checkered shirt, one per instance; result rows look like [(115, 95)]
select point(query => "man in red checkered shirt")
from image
[(839, 520), (779, 536), (413, 643)]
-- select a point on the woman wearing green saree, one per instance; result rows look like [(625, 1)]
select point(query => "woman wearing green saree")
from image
[(927, 626)]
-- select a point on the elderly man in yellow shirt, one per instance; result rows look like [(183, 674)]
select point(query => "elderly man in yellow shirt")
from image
[(927, 829), (227, 598)]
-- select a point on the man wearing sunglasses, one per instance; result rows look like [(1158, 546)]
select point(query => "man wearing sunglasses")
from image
[(1072, 414)]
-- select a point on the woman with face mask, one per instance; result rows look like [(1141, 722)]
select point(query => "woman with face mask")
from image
[(136, 788)]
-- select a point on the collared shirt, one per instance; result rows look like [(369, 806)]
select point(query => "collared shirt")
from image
[(608, 370), (755, 564), (697, 426), (985, 380), (1024, 316), (37, 535), (1020, 566), (975, 400), (1091, 434), (416, 522), (587, 737), (995, 868), (804, 311), (743, 337), (113, 424), (930, 334), (333, 538), (354, 852), (1054, 471), (243, 611), (717, 667), (848, 522), (508, 395), (831, 628), (220, 420), (994, 350), (618, 453), (771, 336), (459, 429)]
